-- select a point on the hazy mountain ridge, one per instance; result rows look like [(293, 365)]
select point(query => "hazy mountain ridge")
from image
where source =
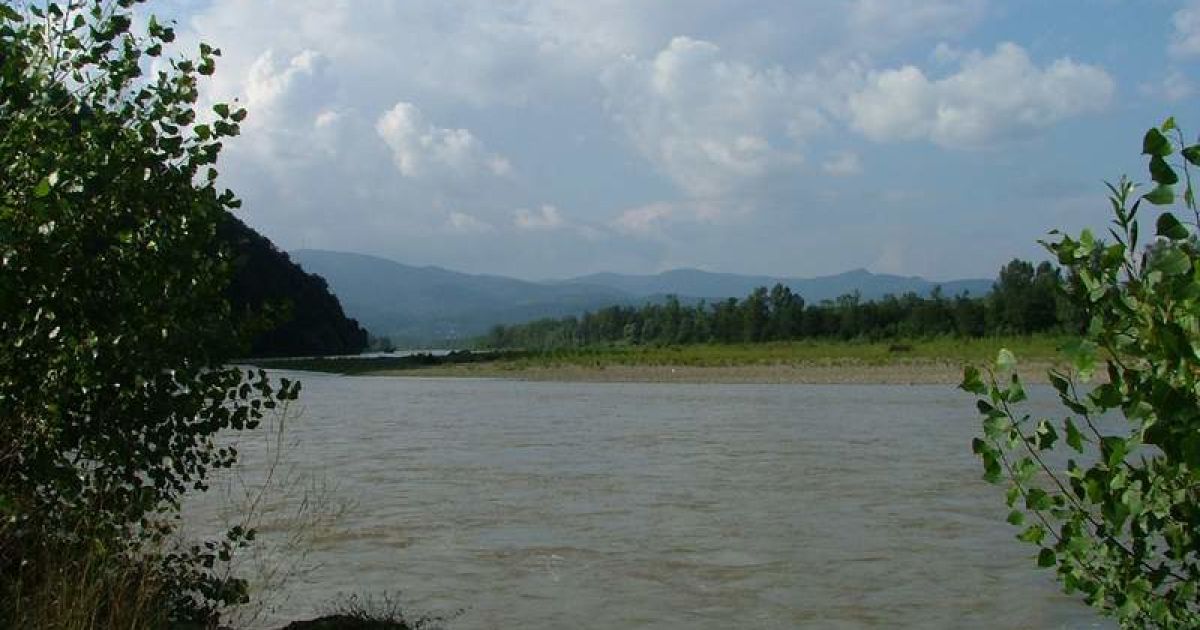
[(416, 305), (424, 304)]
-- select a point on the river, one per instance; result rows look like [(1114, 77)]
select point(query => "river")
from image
[(571, 505)]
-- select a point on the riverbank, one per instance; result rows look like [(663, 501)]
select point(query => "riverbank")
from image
[(813, 373), (939, 361)]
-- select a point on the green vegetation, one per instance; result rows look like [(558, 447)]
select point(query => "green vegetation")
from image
[(292, 312), (115, 328), (787, 353), (1023, 301), (1111, 494), (812, 352)]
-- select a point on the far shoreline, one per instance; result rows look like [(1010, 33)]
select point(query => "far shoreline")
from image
[(834, 372), (938, 361)]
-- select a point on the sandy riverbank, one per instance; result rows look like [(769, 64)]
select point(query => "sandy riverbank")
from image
[(828, 372)]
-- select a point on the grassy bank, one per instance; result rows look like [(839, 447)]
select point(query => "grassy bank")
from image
[(1038, 348), (933, 360)]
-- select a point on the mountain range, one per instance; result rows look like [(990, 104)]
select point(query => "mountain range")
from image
[(430, 305)]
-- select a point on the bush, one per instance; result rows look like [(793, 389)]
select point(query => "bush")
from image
[(113, 327), (1111, 493)]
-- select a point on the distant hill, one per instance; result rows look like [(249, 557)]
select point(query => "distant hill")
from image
[(704, 284), (422, 305), (307, 320)]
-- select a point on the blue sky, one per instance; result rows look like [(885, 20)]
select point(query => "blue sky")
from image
[(545, 139)]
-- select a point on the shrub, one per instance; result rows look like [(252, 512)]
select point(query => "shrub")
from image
[(113, 328), (1111, 493)]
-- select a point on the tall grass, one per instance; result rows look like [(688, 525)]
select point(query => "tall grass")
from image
[(79, 586)]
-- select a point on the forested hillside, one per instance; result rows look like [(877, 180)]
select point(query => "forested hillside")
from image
[(293, 311), (1024, 299)]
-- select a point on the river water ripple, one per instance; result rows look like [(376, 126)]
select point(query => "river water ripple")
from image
[(572, 505)]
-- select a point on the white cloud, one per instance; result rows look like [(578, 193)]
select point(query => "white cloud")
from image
[(1177, 86), (420, 148), (892, 21), (1174, 87), (467, 224), (291, 120), (644, 220), (602, 106), (704, 121), (545, 218), (269, 81), (844, 164), (1185, 40), (945, 54), (991, 97)]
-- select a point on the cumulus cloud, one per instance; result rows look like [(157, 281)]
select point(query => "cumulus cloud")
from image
[(990, 97), (270, 79), (1185, 38), (545, 218), (404, 127), (292, 119), (706, 122), (420, 148)]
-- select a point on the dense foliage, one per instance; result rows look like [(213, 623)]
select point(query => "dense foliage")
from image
[(114, 329), (1111, 493), (1024, 299), (293, 311)]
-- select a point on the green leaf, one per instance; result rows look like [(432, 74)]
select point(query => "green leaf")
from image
[(1154, 143), (1037, 499), (1060, 382), (1114, 450), (1082, 354), (1032, 534), (1172, 262), (1192, 154), (972, 381), (1046, 435), (1087, 242), (1046, 558), (1016, 517), (1074, 437), (1005, 360), (222, 109), (1162, 195), (42, 188), (1168, 124), (1161, 172), (1170, 227)]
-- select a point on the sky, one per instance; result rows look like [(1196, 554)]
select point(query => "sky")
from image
[(553, 138)]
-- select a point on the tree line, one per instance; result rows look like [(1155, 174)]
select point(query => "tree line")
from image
[(1025, 299)]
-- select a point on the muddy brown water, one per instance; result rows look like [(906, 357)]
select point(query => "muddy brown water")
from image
[(626, 505)]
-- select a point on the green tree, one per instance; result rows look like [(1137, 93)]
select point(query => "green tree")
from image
[(1111, 493), (1011, 296), (114, 330)]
